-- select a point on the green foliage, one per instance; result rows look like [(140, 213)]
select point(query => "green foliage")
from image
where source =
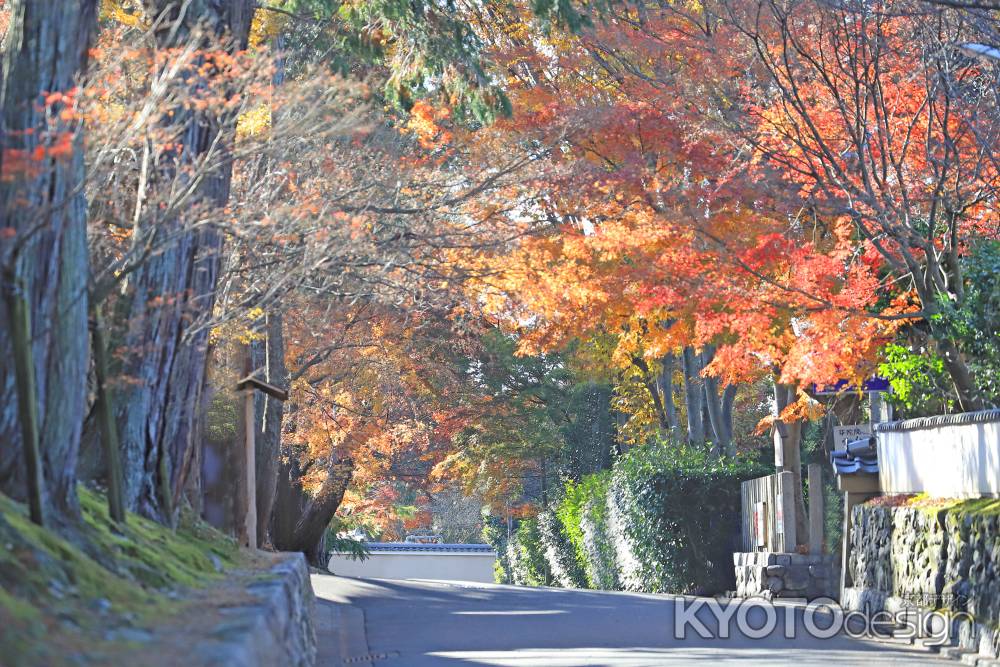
[(526, 555), (560, 553), (584, 515), (664, 520), (919, 380), (418, 49), (676, 518), (495, 535), (974, 321), (540, 410), (337, 539)]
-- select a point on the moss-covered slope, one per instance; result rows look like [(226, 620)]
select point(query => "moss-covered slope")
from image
[(86, 594)]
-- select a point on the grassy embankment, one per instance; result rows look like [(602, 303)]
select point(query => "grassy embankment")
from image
[(96, 590)]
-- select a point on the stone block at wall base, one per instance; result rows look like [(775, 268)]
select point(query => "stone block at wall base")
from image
[(786, 575)]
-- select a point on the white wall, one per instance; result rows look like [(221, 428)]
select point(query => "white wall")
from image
[(958, 460), (455, 566)]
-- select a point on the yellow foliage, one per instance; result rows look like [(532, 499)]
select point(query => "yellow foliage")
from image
[(126, 12), (254, 122), (265, 26)]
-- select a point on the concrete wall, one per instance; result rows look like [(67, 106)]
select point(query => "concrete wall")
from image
[(455, 566), (956, 456)]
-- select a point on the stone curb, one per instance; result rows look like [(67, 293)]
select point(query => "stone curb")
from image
[(276, 630)]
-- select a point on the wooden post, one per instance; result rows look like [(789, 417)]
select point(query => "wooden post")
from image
[(27, 407), (106, 418), (815, 473), (247, 528), (251, 469), (250, 464)]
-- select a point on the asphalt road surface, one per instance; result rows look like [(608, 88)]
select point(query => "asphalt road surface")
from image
[(407, 623)]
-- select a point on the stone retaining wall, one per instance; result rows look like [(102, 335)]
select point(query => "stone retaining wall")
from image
[(944, 557), (785, 575), (274, 627)]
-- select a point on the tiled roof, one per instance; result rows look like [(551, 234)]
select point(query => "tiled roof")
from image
[(400, 547), (860, 456), (980, 417)]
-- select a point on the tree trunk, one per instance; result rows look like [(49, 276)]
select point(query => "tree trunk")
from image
[(300, 520), (268, 355), (694, 397), (788, 455), (728, 398), (665, 382), (172, 290), (965, 385), (41, 201), (105, 409), (652, 385), (27, 399), (722, 431)]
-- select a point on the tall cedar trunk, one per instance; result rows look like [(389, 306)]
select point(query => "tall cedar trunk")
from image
[(47, 46), (173, 289), (299, 520), (268, 359), (788, 455), (693, 396), (728, 398)]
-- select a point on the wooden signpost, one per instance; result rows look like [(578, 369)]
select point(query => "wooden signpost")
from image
[(247, 531)]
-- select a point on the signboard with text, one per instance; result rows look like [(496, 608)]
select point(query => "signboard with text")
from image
[(845, 434)]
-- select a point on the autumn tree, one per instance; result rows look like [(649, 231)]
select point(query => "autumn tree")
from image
[(43, 256), (884, 122)]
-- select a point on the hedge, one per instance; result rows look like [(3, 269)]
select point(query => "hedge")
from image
[(560, 553), (495, 535), (663, 520), (526, 555), (584, 515)]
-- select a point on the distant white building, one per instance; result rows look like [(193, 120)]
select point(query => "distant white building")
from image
[(412, 560)]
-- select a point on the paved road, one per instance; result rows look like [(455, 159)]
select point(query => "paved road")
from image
[(403, 623)]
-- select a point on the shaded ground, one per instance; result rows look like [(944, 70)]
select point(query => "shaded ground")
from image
[(455, 624)]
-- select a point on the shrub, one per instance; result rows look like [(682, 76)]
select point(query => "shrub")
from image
[(584, 516), (559, 552), (495, 535), (675, 518), (525, 555)]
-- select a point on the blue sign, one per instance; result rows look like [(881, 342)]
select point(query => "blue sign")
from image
[(872, 384)]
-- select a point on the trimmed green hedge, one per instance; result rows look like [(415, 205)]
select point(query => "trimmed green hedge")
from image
[(526, 555), (663, 520), (677, 519), (560, 553), (584, 515)]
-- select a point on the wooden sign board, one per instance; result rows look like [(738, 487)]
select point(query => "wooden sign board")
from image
[(845, 434)]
